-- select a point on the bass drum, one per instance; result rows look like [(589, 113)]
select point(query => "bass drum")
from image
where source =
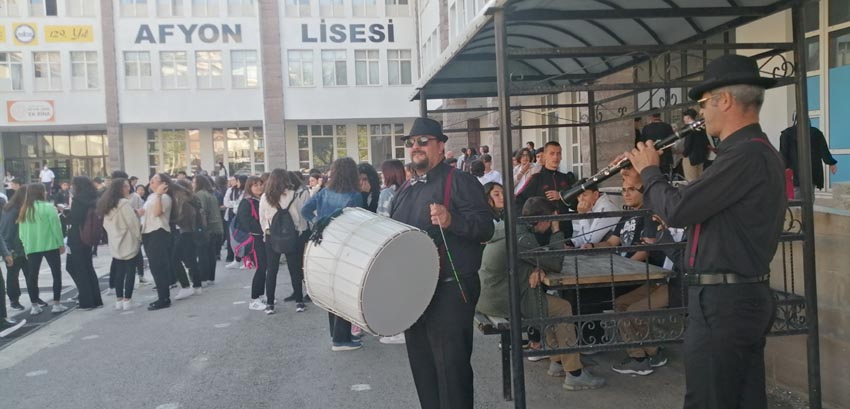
[(375, 272)]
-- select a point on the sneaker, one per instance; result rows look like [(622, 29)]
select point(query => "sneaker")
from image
[(356, 331), (119, 305), (16, 306), (158, 305), (58, 308), (197, 291), (143, 280), (8, 326), (658, 360), (555, 369), (184, 293), (300, 307), (35, 310), (395, 339), (129, 305), (270, 309), (346, 346), (290, 298), (257, 305), (242, 266), (631, 366), (536, 358), (233, 264), (41, 303), (582, 382)]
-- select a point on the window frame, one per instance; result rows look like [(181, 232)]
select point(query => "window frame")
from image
[(235, 64), (365, 8), (210, 8), (10, 66), (139, 8), (242, 6), (11, 8), (393, 8), (368, 61), (335, 8), (399, 60), (140, 64), (297, 8), (171, 6), (80, 6), (337, 57), (53, 84), (206, 78), (175, 61), (301, 67), (32, 4), (88, 66)]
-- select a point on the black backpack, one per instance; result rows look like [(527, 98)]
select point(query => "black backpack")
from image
[(283, 235)]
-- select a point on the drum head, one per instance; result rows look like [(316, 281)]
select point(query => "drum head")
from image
[(400, 283)]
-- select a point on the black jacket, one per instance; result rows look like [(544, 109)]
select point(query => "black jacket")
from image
[(77, 218), (542, 182), (696, 147), (820, 152), (245, 220), (657, 131)]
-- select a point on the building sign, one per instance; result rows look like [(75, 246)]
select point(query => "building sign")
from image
[(206, 33), (68, 34), (350, 33), (30, 111), (2, 34), (24, 34)]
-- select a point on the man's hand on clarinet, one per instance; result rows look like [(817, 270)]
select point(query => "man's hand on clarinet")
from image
[(644, 155), (440, 216)]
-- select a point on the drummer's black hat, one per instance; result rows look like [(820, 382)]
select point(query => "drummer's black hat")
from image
[(730, 69), (426, 126)]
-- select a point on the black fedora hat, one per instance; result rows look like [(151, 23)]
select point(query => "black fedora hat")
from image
[(730, 69), (426, 126)]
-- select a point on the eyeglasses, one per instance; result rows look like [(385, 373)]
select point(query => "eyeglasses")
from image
[(420, 141), (706, 99)]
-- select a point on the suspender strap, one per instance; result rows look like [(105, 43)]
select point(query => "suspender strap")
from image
[(447, 192), (694, 244)]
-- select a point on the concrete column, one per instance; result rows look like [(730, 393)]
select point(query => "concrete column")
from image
[(114, 132), (444, 24), (272, 82)]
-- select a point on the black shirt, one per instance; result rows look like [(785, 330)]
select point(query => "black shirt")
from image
[(819, 149), (632, 231), (472, 220), (657, 131), (696, 147), (739, 204), (542, 182)]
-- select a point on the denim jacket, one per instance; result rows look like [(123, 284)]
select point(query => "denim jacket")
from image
[(327, 201)]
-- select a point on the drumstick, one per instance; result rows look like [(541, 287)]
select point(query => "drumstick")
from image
[(451, 263)]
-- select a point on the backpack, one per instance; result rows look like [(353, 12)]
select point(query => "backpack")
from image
[(242, 241), (283, 235), (92, 229)]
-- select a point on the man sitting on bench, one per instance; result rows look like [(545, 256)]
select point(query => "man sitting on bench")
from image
[(535, 303)]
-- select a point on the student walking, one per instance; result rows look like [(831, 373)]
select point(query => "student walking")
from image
[(125, 238), (41, 235)]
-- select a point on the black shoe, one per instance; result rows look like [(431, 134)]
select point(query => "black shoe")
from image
[(158, 305), (41, 303), (290, 298), (228, 260), (16, 306), (8, 326)]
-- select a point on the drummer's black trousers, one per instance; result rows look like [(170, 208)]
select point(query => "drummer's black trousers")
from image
[(724, 346), (439, 346)]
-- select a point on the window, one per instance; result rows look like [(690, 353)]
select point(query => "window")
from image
[(297, 8), (134, 8), (208, 69), (242, 150), (331, 8), (48, 71), (137, 70), (42, 8), (174, 69), (549, 116), (9, 8), (300, 68), (319, 145), (839, 11), (398, 65), (205, 8), (398, 8), (334, 72), (839, 48), (80, 8), (379, 142), (364, 8), (84, 73), (169, 8), (243, 69), (813, 53), (811, 16), (11, 72), (366, 67), (453, 21), (241, 8), (173, 150)]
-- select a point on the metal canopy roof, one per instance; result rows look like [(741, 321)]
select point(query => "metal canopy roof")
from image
[(561, 43)]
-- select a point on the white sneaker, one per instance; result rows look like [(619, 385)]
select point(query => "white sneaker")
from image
[(242, 266), (129, 305), (233, 264), (110, 291), (197, 291), (184, 293), (35, 310), (257, 305), (58, 308), (143, 280), (119, 305), (395, 339)]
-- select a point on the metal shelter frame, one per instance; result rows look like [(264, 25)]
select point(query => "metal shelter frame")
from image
[(520, 39)]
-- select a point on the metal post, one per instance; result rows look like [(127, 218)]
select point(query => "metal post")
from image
[(423, 104), (504, 98), (591, 123), (804, 149)]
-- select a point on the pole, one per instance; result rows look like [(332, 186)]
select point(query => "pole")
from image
[(423, 104), (591, 130)]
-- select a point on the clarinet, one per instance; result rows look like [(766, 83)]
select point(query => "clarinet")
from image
[(613, 169)]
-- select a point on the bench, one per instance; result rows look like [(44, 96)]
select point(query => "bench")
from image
[(496, 325)]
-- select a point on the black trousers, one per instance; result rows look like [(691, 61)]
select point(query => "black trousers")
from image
[(157, 244), (258, 283), (125, 277), (439, 347), (207, 252), (186, 256), (13, 284), (295, 264), (54, 260), (139, 264), (340, 328), (81, 268), (724, 346)]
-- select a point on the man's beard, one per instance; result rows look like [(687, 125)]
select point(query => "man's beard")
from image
[(423, 165)]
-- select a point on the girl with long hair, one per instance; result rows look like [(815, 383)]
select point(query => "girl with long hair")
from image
[(343, 190), (79, 262), (156, 237), (209, 245), (41, 235), (496, 197), (525, 169), (125, 238), (248, 219), (12, 252), (231, 203), (370, 186), (285, 190), (187, 220)]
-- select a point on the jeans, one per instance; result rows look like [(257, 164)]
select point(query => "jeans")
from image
[(185, 253), (54, 260), (14, 286), (125, 277), (295, 264), (157, 244), (340, 329), (258, 284)]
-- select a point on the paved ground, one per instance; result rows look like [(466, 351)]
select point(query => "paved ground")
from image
[(210, 351)]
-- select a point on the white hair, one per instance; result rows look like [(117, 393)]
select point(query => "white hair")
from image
[(749, 96)]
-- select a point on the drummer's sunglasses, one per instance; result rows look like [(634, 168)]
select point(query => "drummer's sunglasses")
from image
[(421, 141)]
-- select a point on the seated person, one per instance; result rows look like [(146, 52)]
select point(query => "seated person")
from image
[(593, 230), (534, 301)]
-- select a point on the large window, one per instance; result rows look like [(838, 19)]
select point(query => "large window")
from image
[(169, 8), (173, 150), (42, 8), (47, 70), (300, 68), (241, 8), (398, 8), (84, 73), (67, 154), (205, 8), (399, 67), (839, 11), (813, 53), (297, 8), (242, 150), (208, 69), (367, 67), (243, 68), (839, 48), (334, 72), (174, 69), (379, 142), (11, 72), (320, 145), (134, 8), (364, 8), (137, 70), (81, 8), (9, 8), (331, 8)]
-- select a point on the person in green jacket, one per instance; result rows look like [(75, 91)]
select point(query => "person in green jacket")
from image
[(534, 302), (210, 247), (40, 232)]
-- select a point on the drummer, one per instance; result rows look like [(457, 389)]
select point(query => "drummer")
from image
[(452, 207)]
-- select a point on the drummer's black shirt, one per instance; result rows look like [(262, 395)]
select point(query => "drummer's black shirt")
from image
[(739, 203), (472, 220)]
